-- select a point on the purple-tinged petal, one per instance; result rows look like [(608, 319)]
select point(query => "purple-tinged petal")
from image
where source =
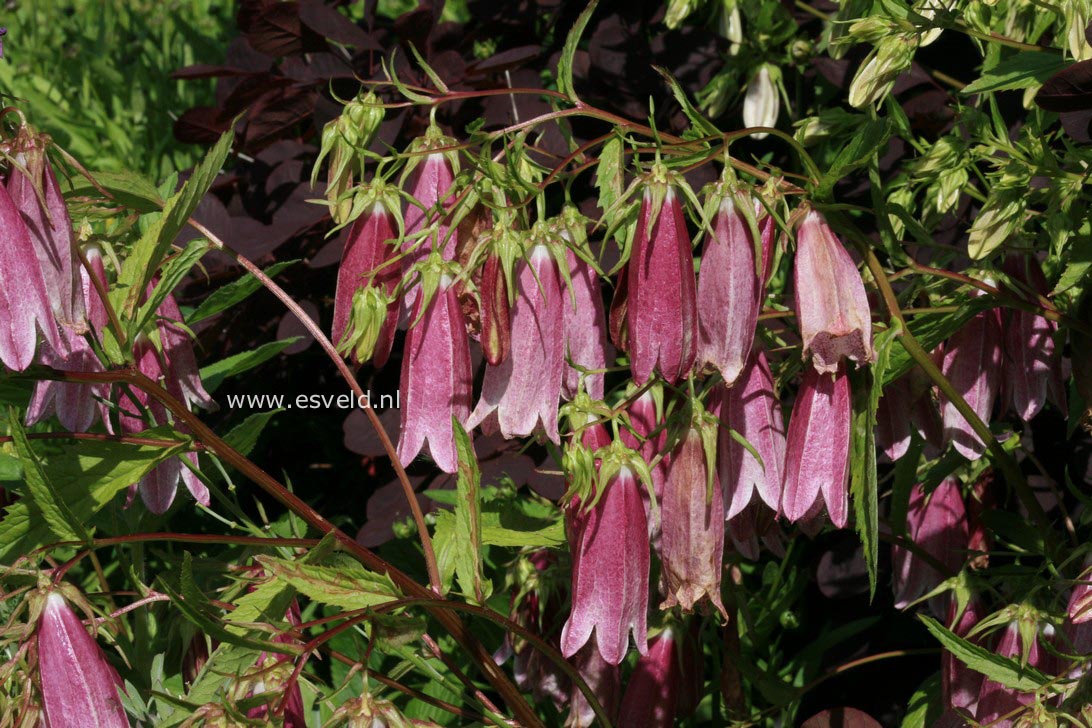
[(938, 525), (960, 684), (496, 336), (610, 574), (436, 380), (605, 682), (652, 693), (79, 687), (524, 391), (831, 305), (1031, 359), (371, 243), (661, 313), (644, 418), (994, 699), (692, 527), (817, 448), (25, 307), (753, 410), (893, 424), (730, 290), (181, 361), (429, 184), (585, 329), (972, 363)]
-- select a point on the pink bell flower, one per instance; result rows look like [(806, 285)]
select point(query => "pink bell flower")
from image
[(831, 306), (79, 687), (937, 523), (972, 363), (817, 448), (585, 326)]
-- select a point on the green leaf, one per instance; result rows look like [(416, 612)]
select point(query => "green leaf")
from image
[(924, 709), (228, 295), (346, 584), (173, 274), (565, 62), (698, 122), (55, 511), (1023, 70), (468, 532), (995, 667), (133, 190), (145, 257), (213, 375), (515, 527), (86, 475), (244, 436), (869, 140), (610, 172)]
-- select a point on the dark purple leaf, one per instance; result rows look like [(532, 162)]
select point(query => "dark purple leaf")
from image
[(203, 70), (200, 125), (278, 31), (332, 25), (1077, 124), (1070, 89), (505, 60)]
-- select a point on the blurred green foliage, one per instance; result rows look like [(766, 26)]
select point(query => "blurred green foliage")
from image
[(95, 74)]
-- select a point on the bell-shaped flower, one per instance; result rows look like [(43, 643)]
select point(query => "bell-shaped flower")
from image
[(75, 404), (1020, 641), (817, 448), (756, 526), (831, 305), (605, 682), (692, 518), (50, 229), (647, 434), (961, 684), (1032, 366), (652, 694), (661, 314), (79, 687), (25, 304), (428, 179), (730, 284), (365, 313), (180, 357), (752, 409), (610, 564), (585, 321), (523, 393), (907, 405), (762, 103), (436, 377), (937, 523), (972, 363), (497, 251)]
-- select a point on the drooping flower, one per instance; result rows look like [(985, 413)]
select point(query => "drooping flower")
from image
[(365, 313), (523, 393), (652, 693), (1020, 641), (972, 363), (817, 448), (692, 519), (762, 103), (79, 687), (831, 305), (25, 305), (661, 314), (959, 683), (585, 323), (605, 682), (429, 178), (753, 410), (436, 379), (937, 523), (50, 230), (610, 572), (496, 314), (647, 434), (907, 405), (1031, 362), (730, 286)]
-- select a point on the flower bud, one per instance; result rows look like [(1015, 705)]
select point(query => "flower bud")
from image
[(692, 519), (817, 451), (79, 687), (730, 25), (831, 305), (1031, 365), (436, 378), (496, 316), (937, 523), (877, 75), (365, 316), (972, 363), (729, 286), (753, 410), (677, 12), (652, 693), (429, 179), (523, 392), (661, 317), (645, 415), (610, 572), (762, 103), (959, 683)]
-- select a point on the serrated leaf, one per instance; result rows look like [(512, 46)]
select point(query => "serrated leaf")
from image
[(866, 142), (146, 255), (133, 190), (702, 126), (1023, 70), (923, 710), (244, 436), (86, 475), (610, 172), (995, 667), (213, 375), (568, 52), (346, 585), (51, 504), (233, 293)]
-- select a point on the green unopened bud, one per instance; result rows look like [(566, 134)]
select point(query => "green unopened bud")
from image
[(872, 29), (762, 103), (995, 224), (875, 78), (371, 305), (677, 11), (713, 99), (360, 120), (730, 24), (1078, 13)]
